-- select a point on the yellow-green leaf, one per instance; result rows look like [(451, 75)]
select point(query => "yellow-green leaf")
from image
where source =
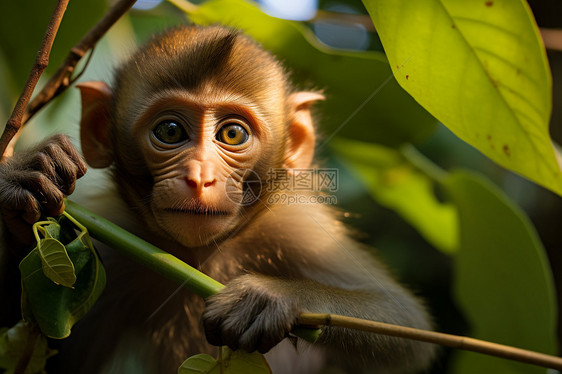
[(57, 266), (396, 183), (480, 68)]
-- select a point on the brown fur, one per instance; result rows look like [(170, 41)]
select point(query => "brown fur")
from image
[(277, 260)]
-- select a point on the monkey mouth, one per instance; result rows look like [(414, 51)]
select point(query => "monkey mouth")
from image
[(199, 211)]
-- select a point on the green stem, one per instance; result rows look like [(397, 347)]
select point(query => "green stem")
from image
[(156, 259), (423, 164), (143, 252)]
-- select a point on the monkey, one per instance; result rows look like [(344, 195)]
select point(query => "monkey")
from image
[(188, 119)]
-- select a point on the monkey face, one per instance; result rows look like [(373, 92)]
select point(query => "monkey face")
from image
[(186, 124), (197, 149)]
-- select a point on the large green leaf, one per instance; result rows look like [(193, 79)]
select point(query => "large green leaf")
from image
[(54, 307), (395, 182), (502, 281), (363, 99), (480, 68)]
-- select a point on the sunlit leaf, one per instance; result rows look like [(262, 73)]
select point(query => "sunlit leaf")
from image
[(480, 68), (396, 183), (502, 281), (56, 263), (363, 99), (56, 308), (14, 345)]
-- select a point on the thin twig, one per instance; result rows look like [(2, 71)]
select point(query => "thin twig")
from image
[(16, 120), (552, 38), (454, 341), (61, 80)]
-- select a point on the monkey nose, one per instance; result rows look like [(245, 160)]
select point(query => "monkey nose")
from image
[(200, 183)]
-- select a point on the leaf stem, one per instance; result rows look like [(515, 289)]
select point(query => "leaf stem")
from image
[(423, 164)]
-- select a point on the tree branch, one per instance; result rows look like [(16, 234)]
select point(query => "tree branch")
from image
[(454, 341), (61, 80), (16, 120)]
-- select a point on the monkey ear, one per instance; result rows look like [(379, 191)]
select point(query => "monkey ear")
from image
[(94, 124), (300, 150)]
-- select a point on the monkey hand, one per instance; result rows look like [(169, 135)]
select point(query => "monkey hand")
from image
[(35, 182), (252, 313)]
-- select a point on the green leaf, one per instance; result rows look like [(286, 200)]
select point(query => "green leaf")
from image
[(13, 345), (480, 68), (56, 263), (231, 362), (502, 281), (56, 308), (363, 99), (247, 363), (396, 183), (199, 364)]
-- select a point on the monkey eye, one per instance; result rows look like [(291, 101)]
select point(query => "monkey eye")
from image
[(232, 134), (170, 132)]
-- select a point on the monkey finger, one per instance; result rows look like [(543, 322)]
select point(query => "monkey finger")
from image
[(47, 194), (62, 163), (212, 321), (72, 154), (212, 332)]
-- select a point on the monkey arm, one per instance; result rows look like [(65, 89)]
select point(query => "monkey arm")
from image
[(262, 310), (323, 275)]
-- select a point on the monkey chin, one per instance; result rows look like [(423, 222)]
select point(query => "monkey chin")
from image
[(195, 228)]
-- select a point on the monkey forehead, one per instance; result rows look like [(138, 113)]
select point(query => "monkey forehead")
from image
[(200, 105), (191, 58)]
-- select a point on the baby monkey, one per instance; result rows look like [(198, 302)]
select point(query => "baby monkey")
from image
[(190, 118)]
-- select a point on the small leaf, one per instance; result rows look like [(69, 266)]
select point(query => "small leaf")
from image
[(248, 363), (199, 364), (56, 263), (56, 309), (231, 362), (480, 68)]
